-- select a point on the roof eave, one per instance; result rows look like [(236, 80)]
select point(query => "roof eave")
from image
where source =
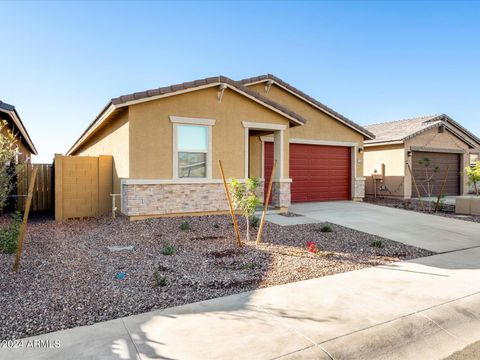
[(316, 104), (127, 100), (462, 129), (370, 143), (19, 124), (99, 119)]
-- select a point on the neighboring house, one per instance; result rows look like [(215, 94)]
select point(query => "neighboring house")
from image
[(25, 145), (403, 143), (166, 144)]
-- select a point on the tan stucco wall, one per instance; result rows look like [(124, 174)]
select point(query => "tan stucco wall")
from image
[(433, 139), (319, 126), (151, 132), (255, 157), (393, 156), (112, 139)]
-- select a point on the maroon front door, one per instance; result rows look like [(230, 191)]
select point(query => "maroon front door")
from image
[(318, 172)]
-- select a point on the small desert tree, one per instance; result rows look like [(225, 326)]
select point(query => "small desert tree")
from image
[(473, 174), (8, 163), (428, 179), (244, 198)]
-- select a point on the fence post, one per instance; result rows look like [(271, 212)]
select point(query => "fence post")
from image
[(58, 187), (23, 227)]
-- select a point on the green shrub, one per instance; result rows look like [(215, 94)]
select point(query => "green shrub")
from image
[(9, 235), (185, 225), (249, 266), (441, 203), (159, 279), (473, 174), (326, 228), (254, 221), (168, 250), (377, 244), (245, 199)]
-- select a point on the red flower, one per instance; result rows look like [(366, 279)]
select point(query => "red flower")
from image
[(312, 247)]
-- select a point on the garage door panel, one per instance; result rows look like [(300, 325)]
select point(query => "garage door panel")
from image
[(442, 160), (319, 173)]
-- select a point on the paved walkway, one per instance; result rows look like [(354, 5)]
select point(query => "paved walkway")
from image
[(426, 308), (431, 232)]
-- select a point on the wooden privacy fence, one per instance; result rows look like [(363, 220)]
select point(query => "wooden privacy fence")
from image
[(42, 199), (83, 185)]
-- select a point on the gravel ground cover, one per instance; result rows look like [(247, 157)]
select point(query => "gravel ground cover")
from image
[(68, 277), (414, 205)]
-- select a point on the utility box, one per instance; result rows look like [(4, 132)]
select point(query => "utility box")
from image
[(378, 171)]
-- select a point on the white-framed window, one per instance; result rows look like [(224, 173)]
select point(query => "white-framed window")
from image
[(473, 159), (192, 148)]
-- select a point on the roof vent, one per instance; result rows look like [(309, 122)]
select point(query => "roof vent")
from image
[(268, 85), (441, 129)]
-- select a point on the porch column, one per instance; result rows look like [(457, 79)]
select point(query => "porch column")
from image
[(281, 185), (278, 153)]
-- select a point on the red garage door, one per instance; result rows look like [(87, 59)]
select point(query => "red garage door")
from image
[(319, 173)]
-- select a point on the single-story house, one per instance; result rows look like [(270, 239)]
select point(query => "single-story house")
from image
[(25, 145), (166, 144), (400, 147)]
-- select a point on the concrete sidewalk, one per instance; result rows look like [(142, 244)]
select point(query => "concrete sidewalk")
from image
[(426, 308)]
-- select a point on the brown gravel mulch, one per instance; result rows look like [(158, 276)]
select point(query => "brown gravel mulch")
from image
[(446, 210), (67, 276)]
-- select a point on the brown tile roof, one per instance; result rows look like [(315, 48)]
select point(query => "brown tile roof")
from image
[(144, 95), (401, 130), (310, 99), (17, 121), (205, 82)]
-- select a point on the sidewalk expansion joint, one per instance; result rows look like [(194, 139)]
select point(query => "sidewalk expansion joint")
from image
[(385, 267), (131, 339), (438, 325), (279, 319), (452, 251)]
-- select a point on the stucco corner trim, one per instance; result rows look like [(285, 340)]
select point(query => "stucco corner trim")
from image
[(190, 120)]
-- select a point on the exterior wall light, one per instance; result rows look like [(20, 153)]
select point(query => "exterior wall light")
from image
[(360, 150), (409, 153)]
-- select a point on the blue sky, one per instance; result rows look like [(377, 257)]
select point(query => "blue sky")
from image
[(371, 61)]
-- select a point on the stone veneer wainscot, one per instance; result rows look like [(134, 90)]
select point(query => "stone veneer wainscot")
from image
[(174, 198)]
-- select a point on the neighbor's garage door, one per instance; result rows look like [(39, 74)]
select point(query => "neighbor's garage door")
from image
[(442, 160), (319, 173)]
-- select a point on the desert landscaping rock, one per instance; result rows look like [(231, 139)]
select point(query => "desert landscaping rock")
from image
[(67, 276), (414, 205)]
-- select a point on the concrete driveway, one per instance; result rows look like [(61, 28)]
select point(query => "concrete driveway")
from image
[(431, 232)]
